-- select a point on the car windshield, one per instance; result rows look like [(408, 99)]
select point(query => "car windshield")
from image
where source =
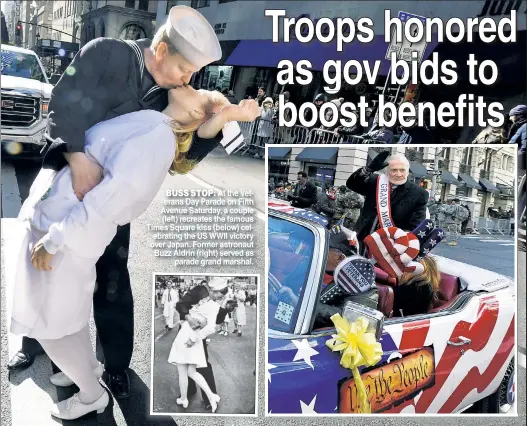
[(291, 249), (23, 65)]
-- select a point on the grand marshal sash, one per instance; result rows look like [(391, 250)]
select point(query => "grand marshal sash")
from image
[(384, 213)]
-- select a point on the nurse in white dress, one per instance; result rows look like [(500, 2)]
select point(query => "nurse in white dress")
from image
[(54, 276), (187, 351), (168, 301), (240, 316)]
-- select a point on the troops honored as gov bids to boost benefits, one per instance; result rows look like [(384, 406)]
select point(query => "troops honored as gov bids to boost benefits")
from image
[(429, 72)]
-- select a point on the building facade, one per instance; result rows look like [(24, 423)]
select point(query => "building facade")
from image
[(250, 58), (124, 19), (10, 19), (482, 175)]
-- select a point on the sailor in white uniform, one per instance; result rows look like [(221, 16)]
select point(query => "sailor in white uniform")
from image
[(169, 300)]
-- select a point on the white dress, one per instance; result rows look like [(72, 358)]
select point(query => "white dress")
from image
[(169, 306), (135, 151), (240, 316), (180, 353)]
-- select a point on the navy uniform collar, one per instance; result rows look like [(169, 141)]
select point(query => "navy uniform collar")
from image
[(148, 83)]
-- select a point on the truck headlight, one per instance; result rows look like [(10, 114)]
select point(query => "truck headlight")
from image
[(44, 108)]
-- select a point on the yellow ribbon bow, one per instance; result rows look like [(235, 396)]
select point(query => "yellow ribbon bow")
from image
[(358, 347)]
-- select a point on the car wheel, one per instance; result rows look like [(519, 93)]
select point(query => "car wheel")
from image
[(503, 399)]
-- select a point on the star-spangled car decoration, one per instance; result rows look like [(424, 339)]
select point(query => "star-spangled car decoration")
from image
[(422, 234), (308, 378), (304, 352), (307, 214), (308, 408), (269, 367)]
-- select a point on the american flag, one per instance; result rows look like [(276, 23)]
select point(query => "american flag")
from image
[(7, 58), (394, 250), (355, 275), (285, 207), (307, 214)]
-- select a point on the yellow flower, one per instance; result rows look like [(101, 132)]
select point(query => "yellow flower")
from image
[(358, 347)]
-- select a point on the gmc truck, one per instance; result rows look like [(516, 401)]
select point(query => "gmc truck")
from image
[(24, 104)]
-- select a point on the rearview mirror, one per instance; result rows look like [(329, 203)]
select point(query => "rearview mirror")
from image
[(54, 78)]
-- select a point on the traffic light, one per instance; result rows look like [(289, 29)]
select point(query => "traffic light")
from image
[(18, 29)]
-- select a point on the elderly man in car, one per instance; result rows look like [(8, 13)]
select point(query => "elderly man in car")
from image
[(390, 199)]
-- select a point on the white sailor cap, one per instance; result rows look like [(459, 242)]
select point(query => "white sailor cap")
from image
[(193, 36), (218, 283)]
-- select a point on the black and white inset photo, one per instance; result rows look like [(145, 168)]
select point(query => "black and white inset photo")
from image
[(205, 344)]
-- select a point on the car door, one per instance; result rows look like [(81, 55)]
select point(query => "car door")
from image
[(297, 254)]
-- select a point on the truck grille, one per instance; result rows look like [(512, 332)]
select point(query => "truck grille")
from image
[(19, 111)]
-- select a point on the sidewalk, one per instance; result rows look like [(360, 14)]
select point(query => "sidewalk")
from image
[(247, 171)]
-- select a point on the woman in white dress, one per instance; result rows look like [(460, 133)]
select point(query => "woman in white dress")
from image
[(54, 277), (187, 351), (240, 317)]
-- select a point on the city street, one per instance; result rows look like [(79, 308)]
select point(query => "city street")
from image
[(492, 252), (26, 394), (233, 362)]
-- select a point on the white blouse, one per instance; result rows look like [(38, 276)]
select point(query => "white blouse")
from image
[(135, 151)]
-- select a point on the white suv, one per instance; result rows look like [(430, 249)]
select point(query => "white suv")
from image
[(25, 97)]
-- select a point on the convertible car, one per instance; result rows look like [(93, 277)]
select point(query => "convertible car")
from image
[(457, 357)]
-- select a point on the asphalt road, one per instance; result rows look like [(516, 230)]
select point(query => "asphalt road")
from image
[(492, 252), (233, 361)]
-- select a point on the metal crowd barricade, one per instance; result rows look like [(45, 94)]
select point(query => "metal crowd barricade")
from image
[(354, 139), (485, 224), (256, 135), (503, 226), (292, 135), (319, 136), (494, 226)]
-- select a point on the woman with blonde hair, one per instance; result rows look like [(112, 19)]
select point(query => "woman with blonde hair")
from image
[(54, 275)]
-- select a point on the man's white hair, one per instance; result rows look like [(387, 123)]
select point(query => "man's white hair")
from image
[(398, 157)]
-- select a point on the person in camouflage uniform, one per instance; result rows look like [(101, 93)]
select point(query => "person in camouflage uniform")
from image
[(348, 207), (449, 220)]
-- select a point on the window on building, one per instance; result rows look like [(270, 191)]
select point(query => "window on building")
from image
[(196, 4), (130, 4), (132, 32), (467, 156), (170, 5), (225, 1), (143, 5)]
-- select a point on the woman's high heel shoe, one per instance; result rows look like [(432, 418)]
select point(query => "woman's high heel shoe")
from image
[(183, 402), (72, 408), (214, 402)]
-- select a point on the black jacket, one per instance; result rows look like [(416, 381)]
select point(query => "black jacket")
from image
[(408, 203), (307, 196), (106, 79), (191, 298)]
